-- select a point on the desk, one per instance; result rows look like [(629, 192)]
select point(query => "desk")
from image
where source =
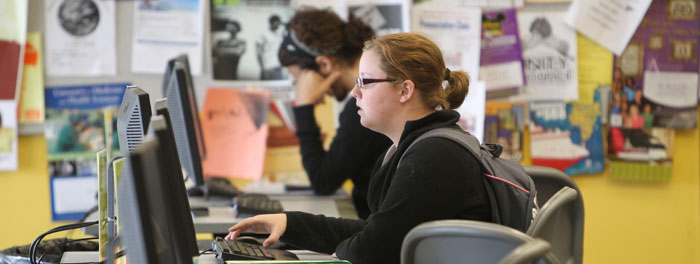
[(207, 258), (222, 216)]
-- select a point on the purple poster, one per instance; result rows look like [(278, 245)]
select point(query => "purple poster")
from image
[(501, 56), (656, 76)]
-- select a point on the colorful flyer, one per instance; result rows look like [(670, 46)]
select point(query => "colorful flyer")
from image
[(655, 80), (505, 124), (501, 54), (567, 136), (31, 100), (75, 132)]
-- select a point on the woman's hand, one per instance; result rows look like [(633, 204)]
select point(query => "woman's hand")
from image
[(311, 86), (274, 224)]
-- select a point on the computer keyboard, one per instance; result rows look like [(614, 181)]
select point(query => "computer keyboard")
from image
[(237, 250), (218, 187), (254, 204)]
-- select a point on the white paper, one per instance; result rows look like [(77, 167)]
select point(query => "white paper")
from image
[(549, 54), (13, 29), (384, 16), (673, 89), (80, 37), (8, 135), (164, 30), (74, 194), (340, 7), (610, 23), (473, 109), (492, 4), (457, 31), (506, 74)]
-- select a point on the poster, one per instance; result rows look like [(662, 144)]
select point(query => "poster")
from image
[(472, 110), (549, 52), (80, 37), (234, 127), (656, 76), (567, 136), (8, 135), (245, 38), (13, 34), (594, 68), (384, 16), (31, 100), (456, 31), (504, 124), (75, 132), (501, 59), (166, 29)]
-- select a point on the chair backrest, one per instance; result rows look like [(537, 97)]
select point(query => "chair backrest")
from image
[(548, 181), (459, 241), (530, 252), (553, 224)]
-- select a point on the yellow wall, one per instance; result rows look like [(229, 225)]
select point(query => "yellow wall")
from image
[(625, 222), (646, 222), (25, 204)]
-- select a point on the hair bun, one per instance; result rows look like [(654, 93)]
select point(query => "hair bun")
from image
[(355, 33)]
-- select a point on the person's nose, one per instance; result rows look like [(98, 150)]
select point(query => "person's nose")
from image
[(356, 92)]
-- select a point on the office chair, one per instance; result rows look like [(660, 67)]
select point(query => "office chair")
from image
[(460, 241), (529, 253), (554, 225), (549, 181)]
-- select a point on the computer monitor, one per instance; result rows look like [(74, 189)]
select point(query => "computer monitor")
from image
[(182, 58), (175, 192), (181, 104), (132, 121), (143, 210), (154, 212)]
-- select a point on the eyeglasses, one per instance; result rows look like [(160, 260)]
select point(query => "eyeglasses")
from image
[(363, 81)]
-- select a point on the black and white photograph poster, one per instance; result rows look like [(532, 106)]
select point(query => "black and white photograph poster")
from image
[(384, 16), (245, 38), (550, 56), (80, 37)]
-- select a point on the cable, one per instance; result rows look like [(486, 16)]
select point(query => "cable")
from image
[(37, 241), (63, 244)]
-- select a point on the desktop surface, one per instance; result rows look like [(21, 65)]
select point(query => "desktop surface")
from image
[(221, 214), (206, 258)]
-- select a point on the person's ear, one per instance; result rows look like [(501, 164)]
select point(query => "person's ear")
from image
[(407, 90), (325, 64)]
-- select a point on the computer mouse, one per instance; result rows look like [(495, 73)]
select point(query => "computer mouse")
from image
[(249, 240)]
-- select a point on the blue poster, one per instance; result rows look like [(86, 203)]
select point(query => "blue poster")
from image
[(567, 136), (76, 121)]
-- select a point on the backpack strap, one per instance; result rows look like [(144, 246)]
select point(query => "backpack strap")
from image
[(457, 135)]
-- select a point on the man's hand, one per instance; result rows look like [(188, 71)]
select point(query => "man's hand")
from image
[(311, 86)]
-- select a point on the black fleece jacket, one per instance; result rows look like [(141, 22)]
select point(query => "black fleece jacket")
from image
[(437, 179), (351, 155)]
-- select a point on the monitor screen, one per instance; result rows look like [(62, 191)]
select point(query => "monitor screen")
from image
[(133, 118), (175, 192), (143, 216), (185, 123)]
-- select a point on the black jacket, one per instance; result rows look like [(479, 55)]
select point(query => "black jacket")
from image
[(350, 156), (437, 179)]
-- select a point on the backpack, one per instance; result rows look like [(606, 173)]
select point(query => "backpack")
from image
[(511, 191)]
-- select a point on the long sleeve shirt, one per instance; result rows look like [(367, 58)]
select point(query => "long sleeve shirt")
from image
[(351, 155), (437, 179)]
